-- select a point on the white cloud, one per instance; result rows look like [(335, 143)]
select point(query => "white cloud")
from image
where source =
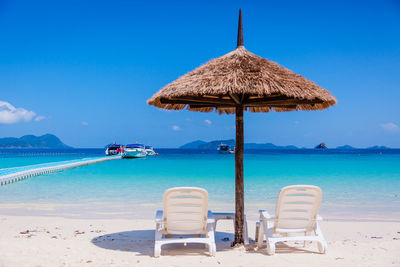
[(208, 122), (10, 114), (84, 123), (176, 128), (296, 122), (40, 118), (390, 127)]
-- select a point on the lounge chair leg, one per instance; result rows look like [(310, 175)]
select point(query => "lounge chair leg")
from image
[(211, 249), (157, 245), (157, 250), (245, 232), (271, 248), (322, 245), (211, 237), (261, 233)]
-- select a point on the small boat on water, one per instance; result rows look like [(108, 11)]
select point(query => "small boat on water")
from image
[(225, 149), (150, 151), (114, 149), (134, 151)]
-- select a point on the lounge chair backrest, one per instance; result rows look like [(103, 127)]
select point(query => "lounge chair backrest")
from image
[(297, 207), (185, 210)]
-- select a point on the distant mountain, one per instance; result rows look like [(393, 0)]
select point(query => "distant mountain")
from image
[(345, 147), (267, 146), (231, 142), (199, 144), (32, 141), (193, 145), (378, 147)]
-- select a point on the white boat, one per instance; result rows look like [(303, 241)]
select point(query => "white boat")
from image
[(150, 151), (134, 151), (225, 149), (113, 149)]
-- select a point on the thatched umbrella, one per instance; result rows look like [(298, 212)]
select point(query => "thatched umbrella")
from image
[(236, 82)]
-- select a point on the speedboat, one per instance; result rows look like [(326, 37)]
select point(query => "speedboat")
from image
[(113, 149), (134, 151), (150, 151), (225, 149)]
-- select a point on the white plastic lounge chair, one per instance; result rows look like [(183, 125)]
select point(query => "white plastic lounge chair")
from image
[(185, 213), (296, 218)]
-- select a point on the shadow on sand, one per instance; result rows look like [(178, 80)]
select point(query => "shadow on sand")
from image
[(142, 242), (286, 248)]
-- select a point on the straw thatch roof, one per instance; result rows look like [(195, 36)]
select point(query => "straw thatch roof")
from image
[(242, 78)]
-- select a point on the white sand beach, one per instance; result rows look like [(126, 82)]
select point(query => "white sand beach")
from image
[(56, 241)]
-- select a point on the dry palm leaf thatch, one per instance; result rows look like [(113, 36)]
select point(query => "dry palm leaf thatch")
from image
[(260, 85)]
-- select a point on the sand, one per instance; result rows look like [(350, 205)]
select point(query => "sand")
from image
[(54, 241)]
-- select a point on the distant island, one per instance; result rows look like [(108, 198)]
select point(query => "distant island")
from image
[(321, 146), (345, 147), (378, 147), (199, 144), (32, 141)]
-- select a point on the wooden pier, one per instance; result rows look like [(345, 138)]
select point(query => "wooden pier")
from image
[(11, 175)]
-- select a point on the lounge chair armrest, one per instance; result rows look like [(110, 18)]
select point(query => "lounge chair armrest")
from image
[(264, 215), (159, 216), (210, 217), (319, 218)]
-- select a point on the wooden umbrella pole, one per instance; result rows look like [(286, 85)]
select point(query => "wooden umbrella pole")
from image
[(239, 187)]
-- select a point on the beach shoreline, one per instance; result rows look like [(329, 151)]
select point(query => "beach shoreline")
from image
[(144, 211), (58, 241)]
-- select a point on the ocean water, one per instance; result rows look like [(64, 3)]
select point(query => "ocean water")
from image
[(362, 185)]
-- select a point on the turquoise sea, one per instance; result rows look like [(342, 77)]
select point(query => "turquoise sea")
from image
[(360, 184)]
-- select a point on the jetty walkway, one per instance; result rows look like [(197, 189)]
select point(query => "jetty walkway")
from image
[(14, 174)]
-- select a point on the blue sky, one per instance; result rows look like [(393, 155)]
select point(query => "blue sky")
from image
[(83, 70)]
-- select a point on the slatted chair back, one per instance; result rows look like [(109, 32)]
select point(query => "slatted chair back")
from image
[(185, 210), (297, 208)]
